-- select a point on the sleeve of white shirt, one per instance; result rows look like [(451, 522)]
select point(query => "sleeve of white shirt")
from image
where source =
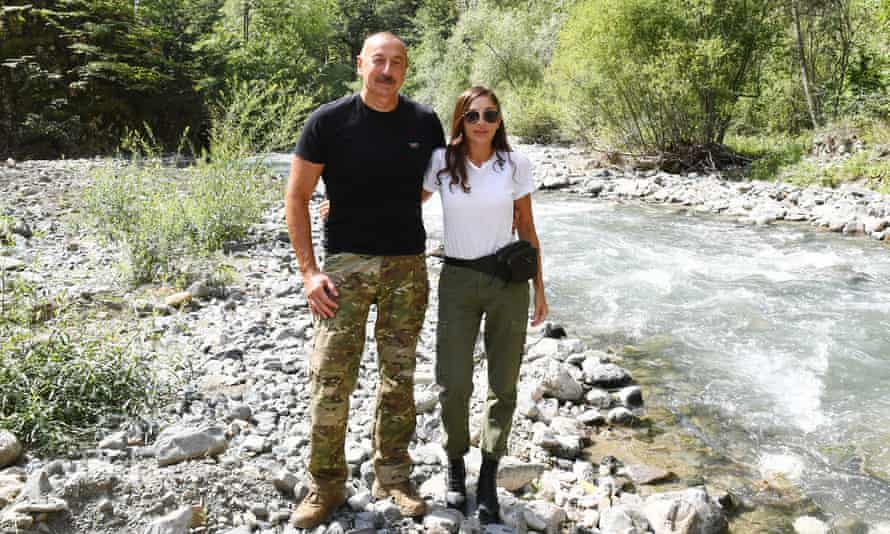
[(523, 182), (436, 163)]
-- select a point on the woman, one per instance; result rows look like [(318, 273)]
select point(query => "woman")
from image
[(481, 182)]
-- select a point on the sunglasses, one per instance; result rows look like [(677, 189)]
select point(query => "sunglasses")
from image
[(490, 116)]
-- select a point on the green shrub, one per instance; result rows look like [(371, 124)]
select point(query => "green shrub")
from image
[(501, 45), (783, 157), (55, 389), (532, 116), (657, 75), (162, 216), (771, 154), (860, 167), (61, 378)]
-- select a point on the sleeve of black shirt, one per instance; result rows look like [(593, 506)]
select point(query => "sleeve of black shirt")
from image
[(310, 147)]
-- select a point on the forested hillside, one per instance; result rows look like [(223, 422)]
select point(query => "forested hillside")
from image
[(639, 76)]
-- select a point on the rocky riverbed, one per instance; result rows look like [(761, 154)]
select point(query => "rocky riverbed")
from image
[(228, 453)]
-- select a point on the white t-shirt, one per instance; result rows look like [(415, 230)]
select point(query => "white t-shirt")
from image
[(480, 222)]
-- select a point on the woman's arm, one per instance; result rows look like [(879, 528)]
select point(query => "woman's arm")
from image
[(525, 227)]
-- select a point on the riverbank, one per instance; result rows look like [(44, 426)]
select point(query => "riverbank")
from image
[(848, 209), (242, 392)]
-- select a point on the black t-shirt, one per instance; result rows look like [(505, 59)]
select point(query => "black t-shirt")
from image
[(374, 164)]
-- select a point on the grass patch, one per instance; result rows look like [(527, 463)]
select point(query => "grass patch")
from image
[(61, 377), (773, 154), (861, 167), (56, 389), (167, 220), (785, 158)]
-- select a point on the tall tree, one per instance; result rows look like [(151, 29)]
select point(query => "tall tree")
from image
[(804, 62), (659, 75), (106, 67)]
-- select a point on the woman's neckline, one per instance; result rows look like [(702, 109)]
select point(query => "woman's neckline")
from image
[(484, 163)]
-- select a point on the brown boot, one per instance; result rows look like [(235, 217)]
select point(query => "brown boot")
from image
[(403, 494), (317, 507)]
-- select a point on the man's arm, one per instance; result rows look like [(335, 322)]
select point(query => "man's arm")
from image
[(318, 287)]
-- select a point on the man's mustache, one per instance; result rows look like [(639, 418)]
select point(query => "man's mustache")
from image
[(383, 78)]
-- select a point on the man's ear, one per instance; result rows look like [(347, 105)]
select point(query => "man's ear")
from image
[(358, 64)]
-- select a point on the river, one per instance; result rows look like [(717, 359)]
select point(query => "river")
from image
[(770, 343), (773, 343)]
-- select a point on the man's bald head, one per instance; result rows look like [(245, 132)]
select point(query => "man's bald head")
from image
[(379, 38), (382, 65)]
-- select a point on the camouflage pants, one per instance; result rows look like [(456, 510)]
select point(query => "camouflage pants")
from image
[(399, 287)]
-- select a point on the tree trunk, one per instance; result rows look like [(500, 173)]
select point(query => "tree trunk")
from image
[(245, 29), (804, 71), (846, 35)]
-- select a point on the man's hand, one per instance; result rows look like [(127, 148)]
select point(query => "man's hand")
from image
[(321, 293)]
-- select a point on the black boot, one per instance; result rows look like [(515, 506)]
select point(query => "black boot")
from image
[(487, 492), (456, 494)]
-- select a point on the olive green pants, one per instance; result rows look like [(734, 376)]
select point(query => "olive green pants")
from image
[(399, 287), (465, 296)]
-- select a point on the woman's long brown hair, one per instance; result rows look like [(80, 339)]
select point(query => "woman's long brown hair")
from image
[(456, 151)]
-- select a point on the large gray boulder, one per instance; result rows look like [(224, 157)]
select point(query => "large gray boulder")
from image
[(623, 519), (180, 444), (691, 511), (544, 516), (558, 382), (513, 473), (10, 448), (176, 522), (36, 498), (605, 375)]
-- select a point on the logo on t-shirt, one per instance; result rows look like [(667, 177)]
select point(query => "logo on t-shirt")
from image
[(413, 145)]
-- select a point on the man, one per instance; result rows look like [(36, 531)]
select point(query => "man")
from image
[(371, 149)]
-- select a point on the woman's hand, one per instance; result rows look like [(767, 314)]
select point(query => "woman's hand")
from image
[(324, 209), (541, 308)]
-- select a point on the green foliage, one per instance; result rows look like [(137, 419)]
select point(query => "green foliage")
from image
[(504, 46), (56, 389), (658, 75), (285, 43), (356, 19), (847, 55), (784, 157), (162, 215), (78, 73), (57, 386), (532, 115), (773, 155), (860, 167), (255, 117)]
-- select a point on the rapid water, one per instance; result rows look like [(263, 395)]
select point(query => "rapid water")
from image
[(778, 336), (771, 343)]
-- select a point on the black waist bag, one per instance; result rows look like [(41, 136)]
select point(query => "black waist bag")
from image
[(517, 262)]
